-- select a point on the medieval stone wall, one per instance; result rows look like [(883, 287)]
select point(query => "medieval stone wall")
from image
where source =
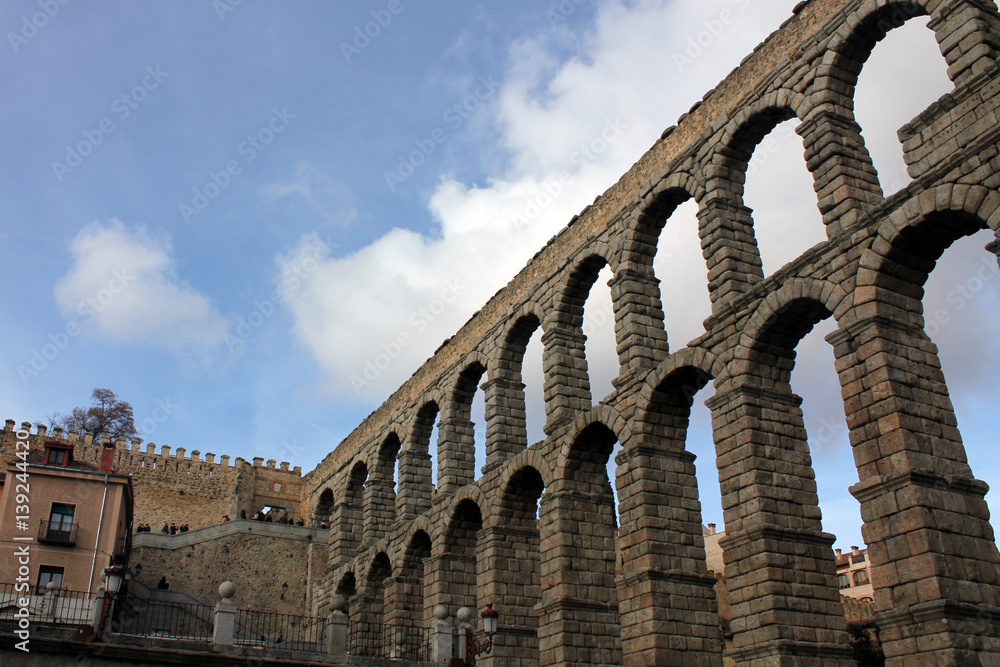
[(535, 534), (174, 487), (260, 558)]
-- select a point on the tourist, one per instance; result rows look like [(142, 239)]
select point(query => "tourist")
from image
[(163, 585), (166, 529)]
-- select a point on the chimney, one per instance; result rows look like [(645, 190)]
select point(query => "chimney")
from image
[(837, 551), (107, 457), (854, 550), (711, 529)]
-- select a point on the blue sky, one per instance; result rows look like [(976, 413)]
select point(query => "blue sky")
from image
[(228, 212)]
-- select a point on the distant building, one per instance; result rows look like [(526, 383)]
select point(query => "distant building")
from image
[(73, 519), (854, 575)]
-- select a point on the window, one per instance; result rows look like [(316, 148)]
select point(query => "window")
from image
[(860, 577), (843, 581), (56, 457), (46, 574), (59, 527), (277, 486)]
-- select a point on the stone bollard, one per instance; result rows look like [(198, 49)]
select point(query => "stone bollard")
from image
[(225, 615), (337, 626), (442, 642), (97, 607)]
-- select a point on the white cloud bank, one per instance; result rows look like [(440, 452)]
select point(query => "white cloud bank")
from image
[(123, 287)]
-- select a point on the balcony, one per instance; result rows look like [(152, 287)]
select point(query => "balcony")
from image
[(57, 532)]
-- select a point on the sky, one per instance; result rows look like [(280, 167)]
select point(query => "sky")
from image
[(254, 220)]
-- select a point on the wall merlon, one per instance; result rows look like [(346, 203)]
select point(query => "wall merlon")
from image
[(195, 455), (179, 453), (270, 463), (284, 466), (224, 460), (258, 461), (209, 457), (165, 451)]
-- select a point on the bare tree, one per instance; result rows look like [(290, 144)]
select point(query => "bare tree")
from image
[(108, 415)]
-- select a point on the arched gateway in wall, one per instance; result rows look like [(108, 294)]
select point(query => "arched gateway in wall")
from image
[(535, 534)]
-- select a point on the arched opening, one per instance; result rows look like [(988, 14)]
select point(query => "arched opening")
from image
[(457, 447), (780, 193), (578, 563), (904, 73), (323, 513), (367, 633), (380, 492), (416, 465), (679, 262), (511, 581), (897, 373), (349, 516), (411, 618), (461, 553), (662, 532), (511, 379), (769, 494)]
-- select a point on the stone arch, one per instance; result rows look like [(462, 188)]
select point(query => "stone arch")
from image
[(567, 381), (416, 484), (348, 519), (368, 628), (909, 242), (323, 512), (639, 318), (526, 459), (409, 616), (454, 579), (785, 316), (457, 446), (725, 225), (660, 537), (914, 467), (511, 545), (380, 492), (577, 522), (769, 493), (966, 51), (506, 430)]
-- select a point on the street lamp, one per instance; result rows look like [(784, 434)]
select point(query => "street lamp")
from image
[(475, 647), (112, 576)]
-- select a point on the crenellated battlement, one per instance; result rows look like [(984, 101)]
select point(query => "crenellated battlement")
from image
[(172, 485), (134, 453)]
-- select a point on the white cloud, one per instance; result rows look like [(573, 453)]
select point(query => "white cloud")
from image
[(123, 287)]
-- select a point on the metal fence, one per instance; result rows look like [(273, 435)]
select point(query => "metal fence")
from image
[(54, 606), (411, 643), (166, 619), (271, 630)]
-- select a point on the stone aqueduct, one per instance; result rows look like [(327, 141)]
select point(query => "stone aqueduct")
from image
[(536, 533)]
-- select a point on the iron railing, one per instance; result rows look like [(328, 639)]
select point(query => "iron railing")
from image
[(165, 619), (55, 605), (410, 643), (284, 631), (57, 532)]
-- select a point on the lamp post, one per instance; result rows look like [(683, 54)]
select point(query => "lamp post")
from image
[(477, 646), (113, 576)]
